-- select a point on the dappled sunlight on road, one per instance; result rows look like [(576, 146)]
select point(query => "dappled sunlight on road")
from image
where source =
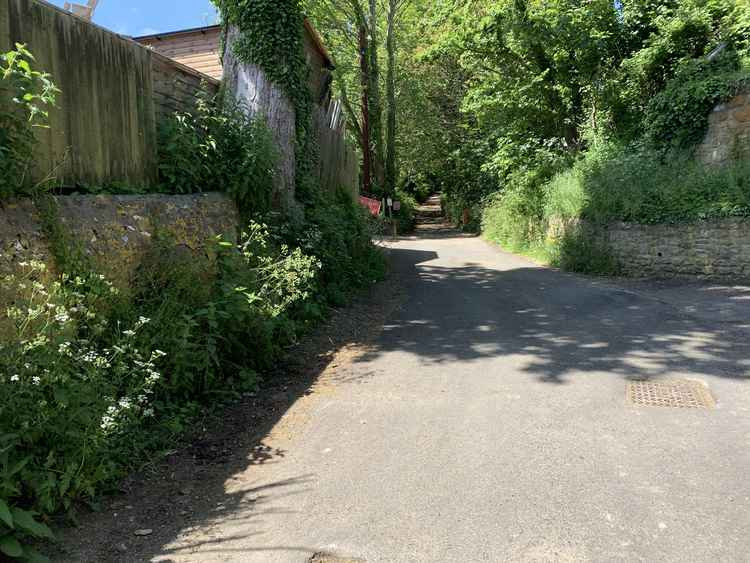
[(560, 324)]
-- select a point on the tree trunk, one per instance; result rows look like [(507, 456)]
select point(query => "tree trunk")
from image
[(390, 159), (365, 78), (376, 106)]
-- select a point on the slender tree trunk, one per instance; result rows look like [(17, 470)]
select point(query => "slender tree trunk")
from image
[(365, 78), (376, 106), (390, 159), (352, 117)]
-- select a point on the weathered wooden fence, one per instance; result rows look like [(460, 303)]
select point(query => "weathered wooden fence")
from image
[(338, 165), (113, 91)]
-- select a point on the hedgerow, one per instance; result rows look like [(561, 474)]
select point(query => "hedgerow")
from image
[(96, 379)]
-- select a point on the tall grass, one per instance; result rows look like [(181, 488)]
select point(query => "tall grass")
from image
[(610, 183)]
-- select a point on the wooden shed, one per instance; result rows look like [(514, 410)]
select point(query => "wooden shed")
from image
[(199, 48), (196, 48)]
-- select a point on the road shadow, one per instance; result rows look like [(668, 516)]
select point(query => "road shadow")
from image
[(204, 502), (559, 323), (209, 479)]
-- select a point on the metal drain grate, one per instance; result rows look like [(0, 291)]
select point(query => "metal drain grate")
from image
[(681, 394)]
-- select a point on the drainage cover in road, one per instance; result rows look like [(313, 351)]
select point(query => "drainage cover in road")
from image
[(681, 394)]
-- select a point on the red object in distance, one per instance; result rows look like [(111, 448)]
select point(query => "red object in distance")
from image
[(372, 204)]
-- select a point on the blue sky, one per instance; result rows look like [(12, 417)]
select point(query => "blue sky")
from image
[(144, 17)]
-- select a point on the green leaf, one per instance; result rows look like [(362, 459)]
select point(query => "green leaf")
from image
[(5, 514), (33, 556), (25, 521), (61, 396), (10, 546), (19, 466)]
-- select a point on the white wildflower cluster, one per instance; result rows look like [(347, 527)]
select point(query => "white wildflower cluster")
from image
[(61, 315), (138, 402), (47, 350)]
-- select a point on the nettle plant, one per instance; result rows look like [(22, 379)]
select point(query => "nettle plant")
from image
[(67, 399), (25, 97), (218, 147)]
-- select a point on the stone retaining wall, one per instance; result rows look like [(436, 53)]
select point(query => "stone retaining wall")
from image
[(711, 249), (728, 135), (718, 249), (116, 231)]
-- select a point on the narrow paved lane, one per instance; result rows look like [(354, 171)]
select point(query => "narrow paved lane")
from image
[(489, 422)]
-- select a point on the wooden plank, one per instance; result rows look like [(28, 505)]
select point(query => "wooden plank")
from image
[(186, 50), (198, 59)]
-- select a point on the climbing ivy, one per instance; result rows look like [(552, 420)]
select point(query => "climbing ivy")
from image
[(271, 36), (677, 117)]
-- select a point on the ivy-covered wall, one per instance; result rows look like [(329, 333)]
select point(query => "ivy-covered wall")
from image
[(251, 86), (728, 135)]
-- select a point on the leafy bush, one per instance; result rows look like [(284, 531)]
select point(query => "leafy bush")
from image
[(338, 232), (25, 95), (638, 186), (419, 187), (245, 293), (406, 216), (677, 117), (84, 397), (74, 387), (614, 183), (565, 195), (218, 148), (581, 250)]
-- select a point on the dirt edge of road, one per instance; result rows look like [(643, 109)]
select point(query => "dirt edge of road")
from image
[(157, 503)]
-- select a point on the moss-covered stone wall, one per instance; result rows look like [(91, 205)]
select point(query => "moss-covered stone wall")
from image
[(115, 231), (717, 249)]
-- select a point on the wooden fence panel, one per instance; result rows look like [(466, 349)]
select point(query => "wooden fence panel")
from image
[(338, 164), (113, 90)]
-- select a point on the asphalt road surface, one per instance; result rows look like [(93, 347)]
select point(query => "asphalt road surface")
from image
[(491, 422)]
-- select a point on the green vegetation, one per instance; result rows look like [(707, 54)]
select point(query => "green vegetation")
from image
[(539, 121), (25, 94), (406, 216), (271, 36), (218, 148), (97, 379), (530, 114), (640, 187), (677, 117)]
